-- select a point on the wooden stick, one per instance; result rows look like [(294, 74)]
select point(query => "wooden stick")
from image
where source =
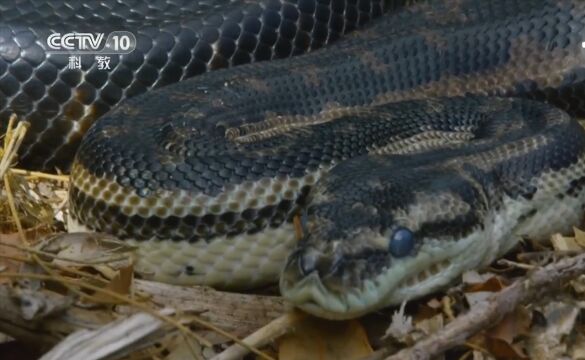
[(263, 336), (237, 313)]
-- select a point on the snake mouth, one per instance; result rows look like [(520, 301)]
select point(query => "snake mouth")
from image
[(325, 297), (348, 290), (314, 297), (423, 276)]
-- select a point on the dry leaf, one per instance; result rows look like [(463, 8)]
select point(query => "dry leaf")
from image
[(8, 251), (185, 348), (435, 304), (563, 243), (88, 249), (579, 237), (493, 284), (321, 339), (501, 349), (478, 293), (512, 326), (120, 284), (579, 284), (31, 209), (432, 325), (426, 311), (473, 277), (500, 340), (478, 355), (550, 342)]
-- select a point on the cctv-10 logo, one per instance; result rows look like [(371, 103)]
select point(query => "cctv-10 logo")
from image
[(117, 42)]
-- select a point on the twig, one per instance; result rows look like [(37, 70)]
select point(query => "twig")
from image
[(262, 336), (447, 310), (106, 259), (12, 206), (38, 174), (533, 286), (115, 295), (12, 141), (82, 274), (515, 264), (114, 339), (239, 313), (247, 312)]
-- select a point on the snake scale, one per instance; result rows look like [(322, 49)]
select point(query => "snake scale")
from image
[(176, 39), (423, 146)]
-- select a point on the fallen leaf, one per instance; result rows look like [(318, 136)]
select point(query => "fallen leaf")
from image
[(493, 284), (579, 284), (512, 326), (88, 249), (435, 304), (563, 243), (477, 294), (426, 311), (185, 348), (478, 355), (120, 284), (432, 325), (501, 349), (473, 277), (9, 251), (549, 342), (323, 340), (579, 237), (31, 209)]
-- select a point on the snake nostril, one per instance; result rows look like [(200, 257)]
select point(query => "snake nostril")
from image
[(307, 262), (314, 261)]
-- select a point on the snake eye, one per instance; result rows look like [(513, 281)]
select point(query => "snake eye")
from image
[(401, 242)]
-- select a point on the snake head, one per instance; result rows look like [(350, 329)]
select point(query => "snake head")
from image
[(375, 237)]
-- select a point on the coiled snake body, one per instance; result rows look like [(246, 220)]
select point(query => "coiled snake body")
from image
[(400, 189), (175, 40)]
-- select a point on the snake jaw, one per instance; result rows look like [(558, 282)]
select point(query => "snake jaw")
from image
[(314, 297), (327, 284), (320, 282), (338, 295)]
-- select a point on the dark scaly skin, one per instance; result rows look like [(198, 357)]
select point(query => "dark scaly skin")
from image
[(176, 40), (444, 48)]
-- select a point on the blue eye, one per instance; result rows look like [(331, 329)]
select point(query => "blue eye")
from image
[(401, 242)]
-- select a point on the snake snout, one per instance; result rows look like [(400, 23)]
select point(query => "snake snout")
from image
[(313, 260), (310, 262)]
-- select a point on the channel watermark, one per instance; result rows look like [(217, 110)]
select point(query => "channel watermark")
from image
[(79, 43)]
